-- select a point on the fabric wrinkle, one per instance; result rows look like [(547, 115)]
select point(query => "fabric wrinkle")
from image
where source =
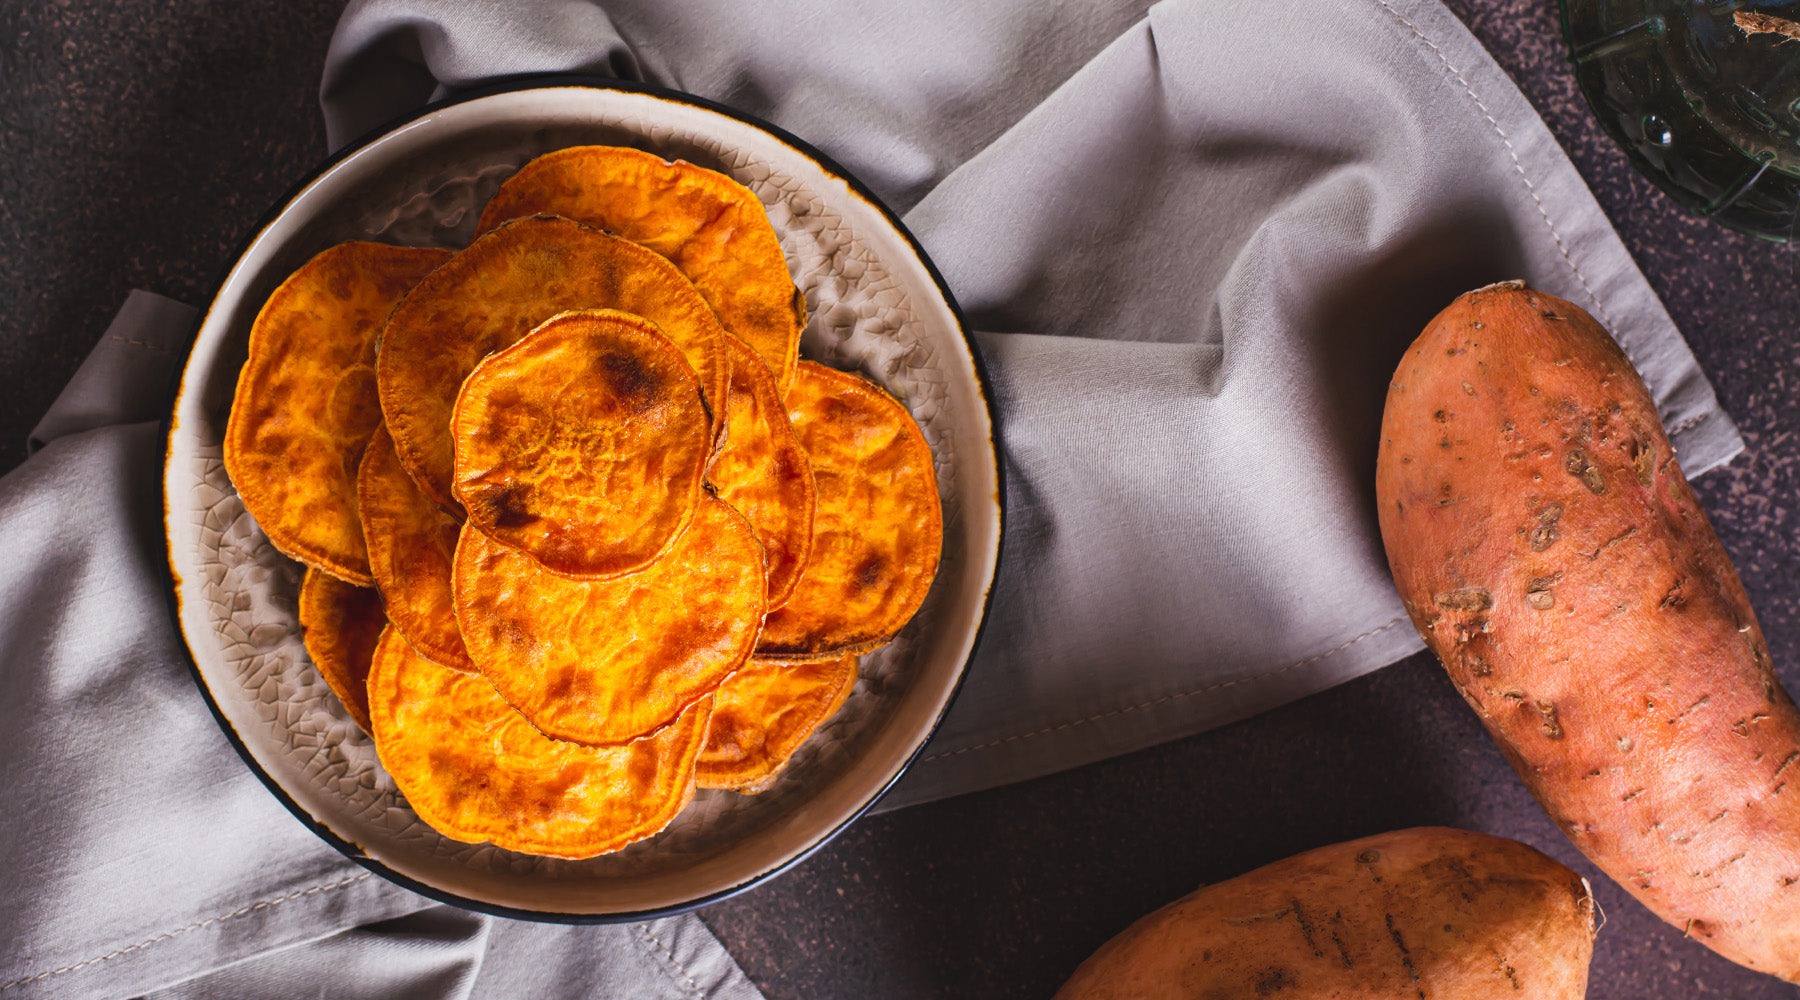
[(1513, 152), (671, 966), (242, 911), (1190, 244)]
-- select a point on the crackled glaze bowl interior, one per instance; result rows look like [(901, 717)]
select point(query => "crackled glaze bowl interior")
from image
[(876, 306)]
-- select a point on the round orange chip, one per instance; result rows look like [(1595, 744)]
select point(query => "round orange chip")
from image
[(763, 472), (713, 228), (606, 661), (306, 400), (762, 714), (583, 444), (877, 527), (411, 542), (475, 770), (341, 624), (492, 294)]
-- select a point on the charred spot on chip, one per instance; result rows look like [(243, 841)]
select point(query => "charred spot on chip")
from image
[(785, 467), (562, 684), (540, 449), (505, 506), (869, 574), (628, 380), (513, 633)]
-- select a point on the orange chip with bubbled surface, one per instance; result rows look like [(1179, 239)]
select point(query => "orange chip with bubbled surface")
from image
[(713, 228), (475, 770), (341, 624), (606, 661), (584, 444), (306, 400), (493, 293), (762, 714), (411, 542), (877, 526), (762, 471)]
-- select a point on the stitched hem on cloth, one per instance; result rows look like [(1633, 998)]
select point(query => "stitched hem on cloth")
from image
[(1059, 727), (145, 344), (1518, 166), (242, 911), (671, 966), (1689, 424), (1531, 189)]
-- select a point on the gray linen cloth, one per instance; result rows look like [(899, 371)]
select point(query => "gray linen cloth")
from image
[(1193, 241)]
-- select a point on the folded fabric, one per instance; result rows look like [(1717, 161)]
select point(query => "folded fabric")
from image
[(1193, 246), (1193, 243)]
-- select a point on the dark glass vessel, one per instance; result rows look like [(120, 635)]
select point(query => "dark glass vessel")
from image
[(1704, 96)]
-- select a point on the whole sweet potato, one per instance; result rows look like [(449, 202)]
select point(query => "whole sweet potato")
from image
[(1553, 556), (1428, 912)]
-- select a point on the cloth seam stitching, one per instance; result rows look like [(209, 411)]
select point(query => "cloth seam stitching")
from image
[(1689, 424), (264, 904), (1519, 168), (1167, 697), (145, 344), (693, 988)]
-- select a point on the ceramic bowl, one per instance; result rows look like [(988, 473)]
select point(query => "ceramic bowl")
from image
[(877, 306)]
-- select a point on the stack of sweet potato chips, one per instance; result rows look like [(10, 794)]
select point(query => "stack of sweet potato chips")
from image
[(582, 532)]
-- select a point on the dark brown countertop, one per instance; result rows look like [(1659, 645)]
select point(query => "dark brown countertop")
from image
[(140, 142)]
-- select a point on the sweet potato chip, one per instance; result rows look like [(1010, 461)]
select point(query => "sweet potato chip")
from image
[(713, 228), (306, 401), (762, 714), (762, 471), (341, 624), (475, 770), (496, 291), (607, 661), (411, 542), (877, 526), (584, 444)]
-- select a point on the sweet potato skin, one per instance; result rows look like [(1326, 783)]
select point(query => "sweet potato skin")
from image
[(1552, 554), (1428, 912)]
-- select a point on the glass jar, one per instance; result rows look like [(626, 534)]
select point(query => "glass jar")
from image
[(1704, 96)]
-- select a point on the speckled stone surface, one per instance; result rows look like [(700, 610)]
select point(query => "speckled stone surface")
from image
[(140, 142)]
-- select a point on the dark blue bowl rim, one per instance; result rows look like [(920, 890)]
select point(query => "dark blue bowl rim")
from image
[(534, 82)]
